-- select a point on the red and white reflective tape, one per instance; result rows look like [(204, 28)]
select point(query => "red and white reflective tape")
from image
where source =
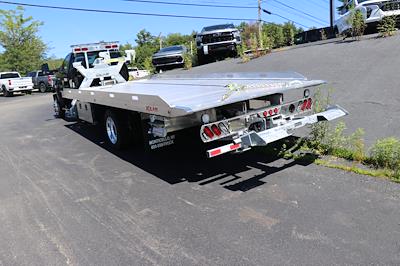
[(223, 149)]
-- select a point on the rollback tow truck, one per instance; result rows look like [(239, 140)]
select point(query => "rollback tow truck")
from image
[(232, 112)]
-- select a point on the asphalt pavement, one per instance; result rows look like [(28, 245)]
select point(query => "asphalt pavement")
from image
[(66, 198)]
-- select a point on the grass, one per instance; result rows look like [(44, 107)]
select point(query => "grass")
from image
[(381, 160)]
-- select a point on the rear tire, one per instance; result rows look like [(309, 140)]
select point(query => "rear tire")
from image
[(7, 93), (42, 87), (116, 130)]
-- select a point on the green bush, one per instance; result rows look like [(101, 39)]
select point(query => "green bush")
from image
[(188, 61), (357, 24), (386, 153), (387, 26)]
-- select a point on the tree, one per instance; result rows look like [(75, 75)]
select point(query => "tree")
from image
[(289, 30), (24, 50)]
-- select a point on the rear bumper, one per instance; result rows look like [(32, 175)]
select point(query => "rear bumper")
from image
[(247, 139), (22, 88)]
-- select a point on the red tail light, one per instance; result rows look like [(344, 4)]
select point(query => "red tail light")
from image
[(304, 105), (216, 130), (309, 103), (208, 132), (271, 112), (85, 49), (49, 78), (114, 46), (9, 82), (265, 113), (108, 46), (77, 49), (276, 110)]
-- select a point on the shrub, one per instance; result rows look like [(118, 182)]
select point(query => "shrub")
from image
[(357, 24), (386, 153), (387, 26), (148, 64), (188, 61)]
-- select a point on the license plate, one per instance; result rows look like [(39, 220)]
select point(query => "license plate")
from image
[(205, 49)]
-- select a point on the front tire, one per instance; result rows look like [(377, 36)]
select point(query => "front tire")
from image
[(59, 111), (116, 131)]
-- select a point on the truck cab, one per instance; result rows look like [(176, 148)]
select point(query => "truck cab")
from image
[(86, 54)]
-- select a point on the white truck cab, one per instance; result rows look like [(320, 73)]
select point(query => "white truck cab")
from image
[(372, 10), (11, 82)]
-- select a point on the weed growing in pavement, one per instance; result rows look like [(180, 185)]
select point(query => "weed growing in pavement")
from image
[(387, 26)]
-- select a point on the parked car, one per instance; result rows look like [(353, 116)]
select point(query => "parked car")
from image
[(11, 82), (169, 56), (372, 10), (43, 81), (217, 40)]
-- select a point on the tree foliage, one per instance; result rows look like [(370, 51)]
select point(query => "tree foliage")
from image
[(24, 50)]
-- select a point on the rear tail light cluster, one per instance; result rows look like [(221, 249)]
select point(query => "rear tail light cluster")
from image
[(216, 130), (306, 104), (271, 112), (111, 46)]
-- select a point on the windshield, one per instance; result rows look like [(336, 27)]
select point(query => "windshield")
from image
[(9, 75), (219, 27), (172, 48), (80, 57)]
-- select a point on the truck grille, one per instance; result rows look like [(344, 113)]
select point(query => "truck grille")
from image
[(217, 37), (390, 6), (167, 60)]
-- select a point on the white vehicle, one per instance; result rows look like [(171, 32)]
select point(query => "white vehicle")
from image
[(372, 10), (136, 73), (233, 111), (11, 82)]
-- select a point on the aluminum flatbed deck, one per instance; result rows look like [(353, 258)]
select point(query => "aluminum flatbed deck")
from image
[(180, 95)]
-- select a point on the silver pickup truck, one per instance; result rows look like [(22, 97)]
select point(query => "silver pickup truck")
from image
[(43, 81), (11, 82)]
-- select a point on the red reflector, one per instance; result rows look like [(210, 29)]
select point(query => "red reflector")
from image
[(216, 130), (108, 46), (85, 49), (276, 110), (114, 46), (265, 113), (77, 49), (235, 146), (304, 105), (271, 112), (215, 152), (208, 132), (309, 103)]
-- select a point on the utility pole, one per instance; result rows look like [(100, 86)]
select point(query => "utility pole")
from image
[(332, 8), (259, 24), (160, 39)]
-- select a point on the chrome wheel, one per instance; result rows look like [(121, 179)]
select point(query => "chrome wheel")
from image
[(111, 130)]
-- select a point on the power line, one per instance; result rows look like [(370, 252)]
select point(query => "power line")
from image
[(300, 11), (296, 14), (274, 14), (187, 4), (122, 12)]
